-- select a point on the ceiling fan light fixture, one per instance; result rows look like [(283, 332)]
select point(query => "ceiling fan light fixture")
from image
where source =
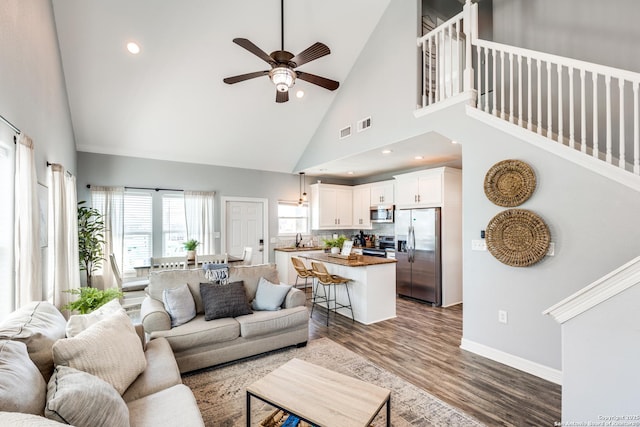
[(283, 78)]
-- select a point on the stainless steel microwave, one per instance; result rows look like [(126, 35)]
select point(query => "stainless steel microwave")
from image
[(381, 213)]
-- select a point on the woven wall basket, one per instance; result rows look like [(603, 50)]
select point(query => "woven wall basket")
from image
[(517, 237), (509, 183)]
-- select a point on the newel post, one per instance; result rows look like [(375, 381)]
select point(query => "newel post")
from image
[(471, 32)]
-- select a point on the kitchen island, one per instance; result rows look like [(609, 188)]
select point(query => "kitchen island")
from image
[(372, 287)]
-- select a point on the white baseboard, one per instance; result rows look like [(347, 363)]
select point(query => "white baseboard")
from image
[(533, 368)]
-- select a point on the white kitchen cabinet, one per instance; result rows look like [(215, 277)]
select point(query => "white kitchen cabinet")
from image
[(331, 206), (361, 206), (382, 193), (422, 188)]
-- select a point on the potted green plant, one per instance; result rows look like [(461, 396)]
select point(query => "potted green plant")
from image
[(190, 246), (90, 298), (335, 244), (90, 240)]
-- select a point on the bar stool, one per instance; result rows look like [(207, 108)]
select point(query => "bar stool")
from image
[(303, 273), (327, 280)]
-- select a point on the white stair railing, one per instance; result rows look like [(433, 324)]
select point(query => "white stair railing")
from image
[(443, 58), (589, 107)]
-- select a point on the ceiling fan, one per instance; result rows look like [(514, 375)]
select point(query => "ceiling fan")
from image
[(283, 71)]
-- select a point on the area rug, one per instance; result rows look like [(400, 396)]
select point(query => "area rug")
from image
[(220, 392)]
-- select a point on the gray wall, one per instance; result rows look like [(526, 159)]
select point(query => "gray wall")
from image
[(32, 91), (102, 169), (604, 32), (601, 354), (591, 220)]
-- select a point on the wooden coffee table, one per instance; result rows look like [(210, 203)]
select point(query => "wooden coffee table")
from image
[(320, 396)]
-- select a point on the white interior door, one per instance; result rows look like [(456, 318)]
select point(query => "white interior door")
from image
[(244, 227)]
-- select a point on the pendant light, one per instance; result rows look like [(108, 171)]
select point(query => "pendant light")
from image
[(303, 193)]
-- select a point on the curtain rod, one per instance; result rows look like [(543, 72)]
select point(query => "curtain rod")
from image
[(145, 188), (11, 125), (66, 171)]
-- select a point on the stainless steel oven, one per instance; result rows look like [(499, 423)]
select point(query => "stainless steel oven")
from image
[(384, 249), (381, 213)]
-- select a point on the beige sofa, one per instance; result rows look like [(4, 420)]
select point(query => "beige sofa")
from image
[(199, 343), (31, 387)]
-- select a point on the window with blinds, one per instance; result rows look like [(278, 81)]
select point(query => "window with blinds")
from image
[(174, 227), (292, 218), (138, 230)]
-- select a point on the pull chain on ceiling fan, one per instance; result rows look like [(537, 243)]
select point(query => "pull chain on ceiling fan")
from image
[(283, 64)]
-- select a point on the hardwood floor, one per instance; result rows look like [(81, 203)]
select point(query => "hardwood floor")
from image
[(422, 346)]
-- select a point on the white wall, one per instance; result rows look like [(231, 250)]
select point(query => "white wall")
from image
[(601, 354), (32, 92), (382, 84)]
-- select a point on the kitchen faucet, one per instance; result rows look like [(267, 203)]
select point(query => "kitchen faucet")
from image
[(298, 240)]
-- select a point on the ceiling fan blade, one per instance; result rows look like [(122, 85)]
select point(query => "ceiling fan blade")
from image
[(317, 80), (243, 77), (313, 52), (282, 96), (254, 49)]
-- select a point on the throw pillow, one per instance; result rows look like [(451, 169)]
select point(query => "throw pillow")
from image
[(81, 399), (109, 349), (22, 388), (224, 300), (79, 322), (37, 324), (269, 296), (179, 304)]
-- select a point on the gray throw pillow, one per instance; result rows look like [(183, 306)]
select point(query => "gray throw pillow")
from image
[(269, 296), (179, 304), (22, 388), (81, 399), (224, 300)]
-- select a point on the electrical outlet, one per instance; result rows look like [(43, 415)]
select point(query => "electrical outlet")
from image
[(502, 316), (478, 245)]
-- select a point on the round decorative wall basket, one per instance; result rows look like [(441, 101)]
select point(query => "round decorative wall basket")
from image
[(509, 183), (517, 237)]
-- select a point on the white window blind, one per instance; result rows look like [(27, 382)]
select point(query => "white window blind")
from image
[(138, 230), (292, 218), (174, 228)]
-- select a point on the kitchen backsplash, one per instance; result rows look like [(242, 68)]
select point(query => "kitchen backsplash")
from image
[(315, 238)]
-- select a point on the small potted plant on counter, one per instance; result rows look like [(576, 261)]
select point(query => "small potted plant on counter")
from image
[(190, 246), (335, 244)]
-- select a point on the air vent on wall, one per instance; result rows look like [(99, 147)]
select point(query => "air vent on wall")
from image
[(364, 124), (345, 132)]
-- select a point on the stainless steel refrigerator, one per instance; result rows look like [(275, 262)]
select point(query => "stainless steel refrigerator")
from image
[(418, 271)]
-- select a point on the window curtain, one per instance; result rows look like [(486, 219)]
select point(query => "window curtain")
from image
[(28, 267), (63, 264), (198, 210), (109, 201)]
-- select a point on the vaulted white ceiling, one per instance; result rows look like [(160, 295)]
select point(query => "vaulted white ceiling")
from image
[(169, 102)]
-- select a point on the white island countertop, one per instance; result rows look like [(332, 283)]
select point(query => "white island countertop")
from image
[(372, 287)]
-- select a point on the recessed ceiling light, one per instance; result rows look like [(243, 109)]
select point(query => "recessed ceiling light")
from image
[(300, 93), (350, 173), (418, 157), (454, 142), (386, 151), (133, 48)]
